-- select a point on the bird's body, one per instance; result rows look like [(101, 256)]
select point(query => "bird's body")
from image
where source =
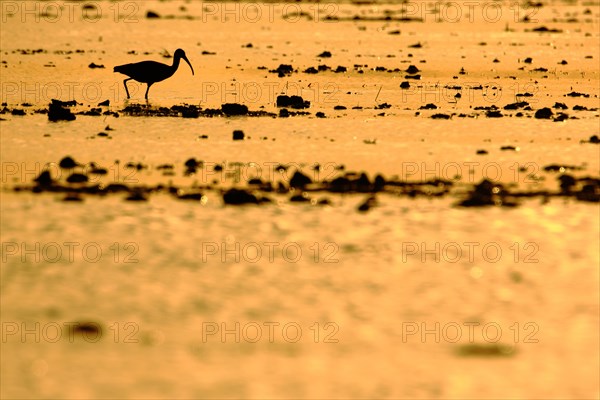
[(150, 72)]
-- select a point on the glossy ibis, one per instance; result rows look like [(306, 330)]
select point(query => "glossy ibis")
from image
[(150, 72)]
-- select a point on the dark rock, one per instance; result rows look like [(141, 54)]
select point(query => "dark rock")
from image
[(116, 187), (87, 328), (589, 192), (67, 163), (70, 103), (577, 94), (93, 66), (136, 195), (239, 197), (516, 106), (192, 164), (546, 29), (566, 183), (412, 70), (482, 152), (482, 195), (560, 106), (320, 115), (77, 178), (405, 85), (362, 184), (231, 109), (561, 117), (283, 70), (44, 179), (494, 114), (295, 102), (299, 180), (137, 166), (594, 139), (105, 103), (298, 198), (544, 113), (99, 171), (485, 350), (340, 185), (440, 116), (152, 15), (255, 181), (190, 112), (72, 197), (369, 203), (560, 168), (429, 106), (238, 135), (57, 113), (379, 183), (190, 196), (325, 54), (340, 69)]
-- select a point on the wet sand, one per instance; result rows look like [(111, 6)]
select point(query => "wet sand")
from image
[(422, 223)]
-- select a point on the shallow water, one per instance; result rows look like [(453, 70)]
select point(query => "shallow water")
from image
[(330, 302)]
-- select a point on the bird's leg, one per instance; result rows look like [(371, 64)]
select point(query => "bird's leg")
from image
[(126, 90), (147, 90)]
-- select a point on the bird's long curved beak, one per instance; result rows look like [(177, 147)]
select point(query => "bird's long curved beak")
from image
[(190, 64)]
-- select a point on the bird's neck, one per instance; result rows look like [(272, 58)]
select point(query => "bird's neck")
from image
[(175, 63)]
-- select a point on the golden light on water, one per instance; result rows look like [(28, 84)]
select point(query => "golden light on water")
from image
[(364, 199)]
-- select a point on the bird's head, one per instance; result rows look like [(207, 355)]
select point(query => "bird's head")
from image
[(179, 53)]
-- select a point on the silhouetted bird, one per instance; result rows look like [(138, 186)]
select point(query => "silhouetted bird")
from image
[(151, 72)]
